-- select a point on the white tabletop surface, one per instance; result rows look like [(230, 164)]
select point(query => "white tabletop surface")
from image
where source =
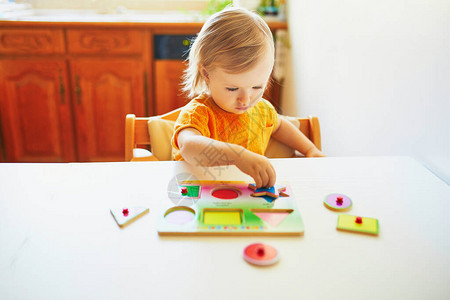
[(58, 239)]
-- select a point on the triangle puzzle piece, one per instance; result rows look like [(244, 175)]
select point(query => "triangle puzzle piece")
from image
[(272, 218), (125, 216)]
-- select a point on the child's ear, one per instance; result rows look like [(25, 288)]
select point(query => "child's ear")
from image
[(204, 73)]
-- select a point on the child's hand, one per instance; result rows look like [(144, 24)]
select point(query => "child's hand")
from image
[(258, 167), (314, 152)]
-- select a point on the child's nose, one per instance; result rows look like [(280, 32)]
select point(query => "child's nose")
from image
[(244, 97)]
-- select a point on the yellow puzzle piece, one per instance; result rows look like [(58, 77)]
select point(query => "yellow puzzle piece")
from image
[(357, 224)]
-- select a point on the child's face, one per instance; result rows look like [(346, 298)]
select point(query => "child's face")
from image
[(236, 93)]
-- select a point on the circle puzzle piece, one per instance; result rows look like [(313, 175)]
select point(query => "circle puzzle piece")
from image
[(338, 202), (261, 254)]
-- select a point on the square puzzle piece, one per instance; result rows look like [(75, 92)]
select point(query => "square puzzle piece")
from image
[(357, 224), (192, 191)]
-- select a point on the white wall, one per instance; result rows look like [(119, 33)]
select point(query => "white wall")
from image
[(377, 73)]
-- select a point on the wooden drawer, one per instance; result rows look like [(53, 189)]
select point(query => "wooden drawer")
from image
[(31, 41), (105, 41)]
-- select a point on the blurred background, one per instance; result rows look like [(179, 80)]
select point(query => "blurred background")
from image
[(375, 73)]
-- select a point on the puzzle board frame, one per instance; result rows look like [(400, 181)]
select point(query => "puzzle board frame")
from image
[(244, 205)]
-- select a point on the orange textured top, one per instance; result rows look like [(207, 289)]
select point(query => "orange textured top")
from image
[(251, 130)]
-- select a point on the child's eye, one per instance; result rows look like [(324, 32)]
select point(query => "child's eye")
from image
[(257, 87), (232, 89)]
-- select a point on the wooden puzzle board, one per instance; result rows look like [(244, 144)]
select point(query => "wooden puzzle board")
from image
[(227, 208)]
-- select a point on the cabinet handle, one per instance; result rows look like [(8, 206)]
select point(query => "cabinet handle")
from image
[(62, 89), (78, 89)]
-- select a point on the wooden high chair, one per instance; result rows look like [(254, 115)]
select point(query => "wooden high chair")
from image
[(157, 131)]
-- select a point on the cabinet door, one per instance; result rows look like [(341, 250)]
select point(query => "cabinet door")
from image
[(104, 91), (167, 76), (35, 113)]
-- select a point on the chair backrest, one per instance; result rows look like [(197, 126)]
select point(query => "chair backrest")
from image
[(139, 132)]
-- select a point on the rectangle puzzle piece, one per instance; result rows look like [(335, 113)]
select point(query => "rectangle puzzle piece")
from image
[(348, 223)]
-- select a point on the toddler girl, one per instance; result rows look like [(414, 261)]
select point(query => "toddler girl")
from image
[(228, 122)]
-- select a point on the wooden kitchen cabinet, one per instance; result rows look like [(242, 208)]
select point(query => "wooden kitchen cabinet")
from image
[(104, 92), (31, 41), (168, 77), (35, 111), (66, 87), (64, 94), (109, 81)]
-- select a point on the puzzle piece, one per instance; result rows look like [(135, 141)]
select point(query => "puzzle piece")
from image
[(358, 224), (125, 216), (261, 254), (270, 194), (192, 191), (338, 202)]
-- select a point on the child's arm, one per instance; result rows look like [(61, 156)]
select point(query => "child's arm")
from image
[(290, 135), (192, 144)]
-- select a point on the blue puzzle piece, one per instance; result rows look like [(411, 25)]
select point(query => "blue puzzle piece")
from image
[(266, 193), (269, 190), (268, 198)]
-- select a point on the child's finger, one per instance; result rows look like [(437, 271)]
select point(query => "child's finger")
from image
[(272, 177), (264, 178), (270, 181), (257, 180)]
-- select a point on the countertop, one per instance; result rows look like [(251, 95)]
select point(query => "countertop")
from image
[(118, 16)]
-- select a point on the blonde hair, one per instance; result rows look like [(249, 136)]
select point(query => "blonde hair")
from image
[(233, 39)]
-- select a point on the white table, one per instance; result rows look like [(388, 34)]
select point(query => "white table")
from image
[(58, 239)]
